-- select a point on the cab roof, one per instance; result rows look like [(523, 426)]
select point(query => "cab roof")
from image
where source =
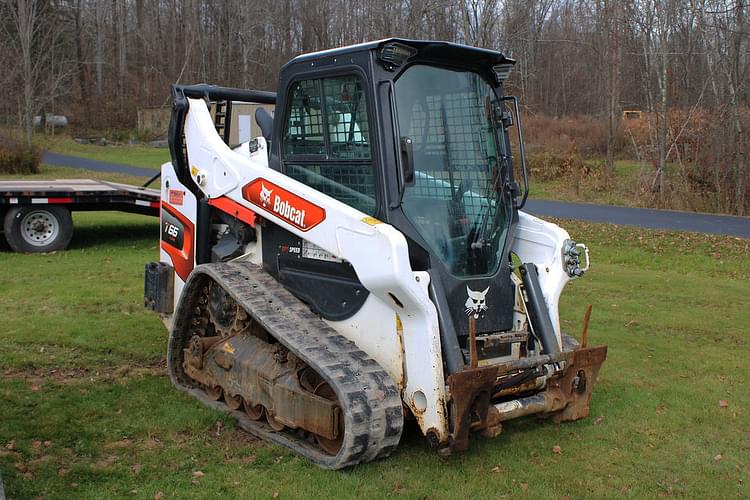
[(435, 52)]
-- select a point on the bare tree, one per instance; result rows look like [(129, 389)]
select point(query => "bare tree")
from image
[(653, 20), (725, 30), (613, 23), (36, 36), (480, 21), (585, 57)]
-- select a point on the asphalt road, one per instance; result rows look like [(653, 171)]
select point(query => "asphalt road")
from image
[(643, 217), (75, 162), (640, 217)]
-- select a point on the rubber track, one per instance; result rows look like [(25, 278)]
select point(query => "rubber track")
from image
[(370, 401)]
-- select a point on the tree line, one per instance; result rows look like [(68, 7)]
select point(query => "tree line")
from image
[(98, 59)]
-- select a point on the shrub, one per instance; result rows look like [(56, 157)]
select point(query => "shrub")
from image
[(707, 161), (586, 134), (553, 166), (569, 168), (16, 158), (107, 114)]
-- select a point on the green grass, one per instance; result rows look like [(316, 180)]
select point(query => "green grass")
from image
[(619, 191), (137, 155), (625, 189), (88, 411), (55, 172)]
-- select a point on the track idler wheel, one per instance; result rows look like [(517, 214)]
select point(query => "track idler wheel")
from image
[(275, 424), (233, 402), (330, 446), (253, 411), (214, 393)]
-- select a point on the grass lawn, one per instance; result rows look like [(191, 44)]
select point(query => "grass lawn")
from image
[(55, 172), (620, 190), (137, 155), (88, 410)]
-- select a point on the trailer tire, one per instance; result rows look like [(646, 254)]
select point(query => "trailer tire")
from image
[(36, 229)]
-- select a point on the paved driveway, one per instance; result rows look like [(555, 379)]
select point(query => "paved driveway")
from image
[(643, 217), (60, 160)]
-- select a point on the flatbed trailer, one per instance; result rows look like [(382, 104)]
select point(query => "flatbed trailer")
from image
[(36, 215)]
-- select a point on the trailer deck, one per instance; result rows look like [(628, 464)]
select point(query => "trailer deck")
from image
[(36, 213), (81, 194)]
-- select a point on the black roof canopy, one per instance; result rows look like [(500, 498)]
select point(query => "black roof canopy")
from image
[(431, 52)]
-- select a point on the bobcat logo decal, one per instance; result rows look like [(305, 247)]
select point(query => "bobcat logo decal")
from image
[(265, 194), (289, 207), (476, 303)]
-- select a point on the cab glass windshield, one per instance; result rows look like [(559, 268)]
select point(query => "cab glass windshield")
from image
[(459, 201)]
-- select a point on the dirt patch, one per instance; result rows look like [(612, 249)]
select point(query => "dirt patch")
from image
[(234, 442), (123, 444), (36, 376), (56, 374), (151, 443), (105, 463), (232, 435), (238, 436), (9, 453)]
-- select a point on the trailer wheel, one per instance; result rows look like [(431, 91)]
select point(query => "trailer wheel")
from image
[(31, 229)]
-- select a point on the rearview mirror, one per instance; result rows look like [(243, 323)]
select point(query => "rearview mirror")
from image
[(506, 118)]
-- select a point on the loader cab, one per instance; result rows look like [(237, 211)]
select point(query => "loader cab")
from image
[(414, 133)]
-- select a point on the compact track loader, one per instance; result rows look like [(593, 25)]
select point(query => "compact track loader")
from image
[(364, 260)]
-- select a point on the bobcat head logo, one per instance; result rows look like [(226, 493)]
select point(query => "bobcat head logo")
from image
[(265, 195), (476, 303)]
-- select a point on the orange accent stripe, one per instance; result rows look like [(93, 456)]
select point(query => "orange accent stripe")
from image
[(234, 209), (182, 260)]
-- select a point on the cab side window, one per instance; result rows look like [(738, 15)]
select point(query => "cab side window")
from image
[(304, 131), (327, 140)]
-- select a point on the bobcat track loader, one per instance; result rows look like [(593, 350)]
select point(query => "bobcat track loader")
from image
[(364, 260)]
